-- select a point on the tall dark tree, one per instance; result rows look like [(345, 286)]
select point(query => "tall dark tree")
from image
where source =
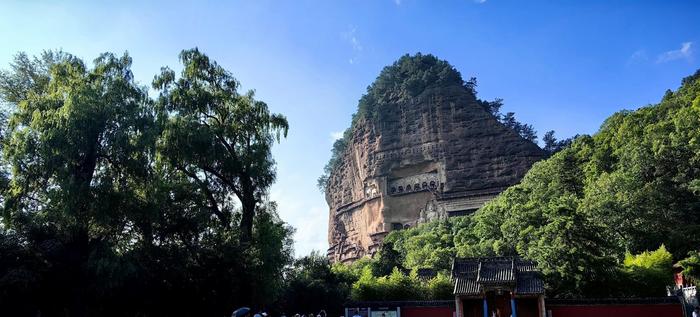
[(218, 137), (550, 141), (73, 147), (493, 107), (386, 260), (524, 130), (552, 145)]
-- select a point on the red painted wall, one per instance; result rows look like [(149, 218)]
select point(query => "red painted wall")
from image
[(426, 312), (664, 310)]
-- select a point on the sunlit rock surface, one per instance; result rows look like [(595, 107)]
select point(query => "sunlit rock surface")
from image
[(435, 155)]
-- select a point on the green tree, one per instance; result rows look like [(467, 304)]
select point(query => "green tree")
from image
[(218, 137), (493, 107), (428, 246), (628, 187), (440, 287), (400, 286), (541, 220), (649, 272), (691, 266), (312, 284), (386, 259), (74, 146), (395, 286), (97, 220), (552, 145), (526, 131)]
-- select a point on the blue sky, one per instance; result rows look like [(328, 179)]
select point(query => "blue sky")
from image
[(562, 66)]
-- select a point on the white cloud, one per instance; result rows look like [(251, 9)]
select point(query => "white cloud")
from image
[(398, 2), (356, 46), (351, 38), (637, 57), (480, 1), (339, 134), (307, 214), (685, 52), (312, 231)]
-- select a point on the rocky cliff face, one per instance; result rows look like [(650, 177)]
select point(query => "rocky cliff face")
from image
[(434, 154)]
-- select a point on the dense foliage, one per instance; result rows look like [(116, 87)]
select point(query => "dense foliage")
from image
[(114, 204), (691, 266), (218, 137), (406, 78), (631, 187), (400, 286), (552, 145), (648, 272), (314, 284)]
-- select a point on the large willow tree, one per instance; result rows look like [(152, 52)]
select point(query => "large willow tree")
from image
[(218, 137)]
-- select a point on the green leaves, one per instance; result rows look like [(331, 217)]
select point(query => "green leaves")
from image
[(399, 286), (580, 214), (649, 273), (627, 188), (109, 197), (313, 284), (691, 266), (220, 139), (73, 130)]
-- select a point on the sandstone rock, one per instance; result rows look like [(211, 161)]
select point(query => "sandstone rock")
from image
[(430, 156)]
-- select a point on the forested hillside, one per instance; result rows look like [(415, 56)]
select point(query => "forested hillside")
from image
[(631, 187)]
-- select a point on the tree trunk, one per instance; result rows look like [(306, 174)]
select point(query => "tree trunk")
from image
[(79, 244), (248, 201)]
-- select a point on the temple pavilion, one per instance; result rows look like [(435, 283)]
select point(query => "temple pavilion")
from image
[(497, 286)]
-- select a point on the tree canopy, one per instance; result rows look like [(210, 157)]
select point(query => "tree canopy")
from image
[(110, 197), (218, 137)]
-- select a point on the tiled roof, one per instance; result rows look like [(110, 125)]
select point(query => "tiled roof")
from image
[(496, 272), (472, 275), (464, 286), (529, 283)]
